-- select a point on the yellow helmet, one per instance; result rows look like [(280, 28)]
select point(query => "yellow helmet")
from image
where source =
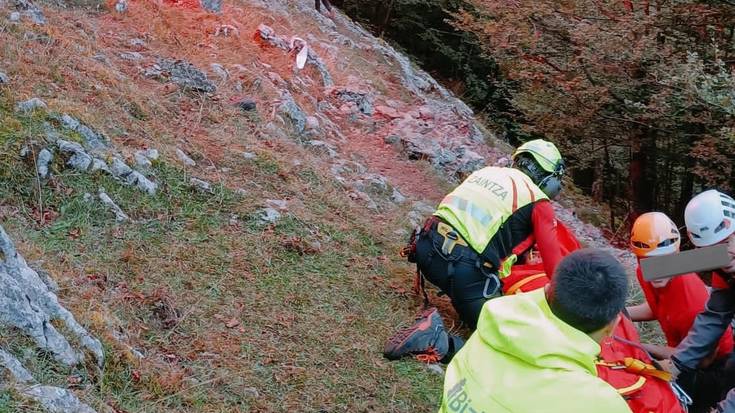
[(545, 153), (547, 167)]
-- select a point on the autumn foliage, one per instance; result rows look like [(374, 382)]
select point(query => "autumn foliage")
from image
[(639, 95)]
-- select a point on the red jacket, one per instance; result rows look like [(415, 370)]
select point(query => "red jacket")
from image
[(544, 232), (677, 304)]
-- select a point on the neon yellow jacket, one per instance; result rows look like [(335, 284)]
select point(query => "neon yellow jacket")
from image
[(523, 359)]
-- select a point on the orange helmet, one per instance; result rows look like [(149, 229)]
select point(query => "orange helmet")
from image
[(654, 234)]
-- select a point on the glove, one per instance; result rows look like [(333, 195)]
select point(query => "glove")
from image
[(670, 366)]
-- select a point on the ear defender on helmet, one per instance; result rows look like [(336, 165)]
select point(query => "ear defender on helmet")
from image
[(548, 166)]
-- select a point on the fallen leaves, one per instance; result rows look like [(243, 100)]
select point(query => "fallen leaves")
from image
[(234, 322), (300, 246)]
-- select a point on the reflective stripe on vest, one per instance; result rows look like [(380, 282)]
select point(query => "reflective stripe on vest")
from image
[(478, 207)]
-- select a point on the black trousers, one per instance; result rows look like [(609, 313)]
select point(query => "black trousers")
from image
[(459, 274), (317, 4), (708, 386)]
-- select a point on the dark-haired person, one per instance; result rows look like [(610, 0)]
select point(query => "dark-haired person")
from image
[(477, 233), (536, 351), (710, 220)]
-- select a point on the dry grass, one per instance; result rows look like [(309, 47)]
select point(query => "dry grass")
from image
[(230, 315)]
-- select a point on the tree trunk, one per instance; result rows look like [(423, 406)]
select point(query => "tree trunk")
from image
[(641, 174), (386, 20)]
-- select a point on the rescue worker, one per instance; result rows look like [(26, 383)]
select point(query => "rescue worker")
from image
[(536, 351), (478, 232), (710, 220), (674, 303)]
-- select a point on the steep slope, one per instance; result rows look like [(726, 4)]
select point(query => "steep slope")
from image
[(226, 224)]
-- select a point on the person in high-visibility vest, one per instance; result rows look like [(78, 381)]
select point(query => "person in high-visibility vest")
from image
[(537, 351), (675, 303), (477, 233), (710, 220)]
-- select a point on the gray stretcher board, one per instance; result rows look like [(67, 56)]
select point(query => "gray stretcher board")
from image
[(696, 260)]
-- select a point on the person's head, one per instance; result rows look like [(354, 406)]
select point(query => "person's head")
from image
[(654, 234), (710, 218), (588, 292), (542, 162)]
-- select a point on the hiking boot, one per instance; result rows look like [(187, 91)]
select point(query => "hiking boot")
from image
[(426, 338)]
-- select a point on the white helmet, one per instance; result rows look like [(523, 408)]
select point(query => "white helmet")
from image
[(710, 218)]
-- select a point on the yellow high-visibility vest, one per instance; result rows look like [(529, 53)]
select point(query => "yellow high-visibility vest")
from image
[(479, 206)]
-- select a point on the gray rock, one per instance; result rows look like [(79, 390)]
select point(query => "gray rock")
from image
[(27, 304), (120, 215), (374, 184), (4, 79), (69, 122), (142, 182), (397, 197), (503, 162), (362, 99), (12, 364), (142, 161), (79, 159), (269, 215), (45, 276), (220, 71), (419, 212), (53, 399), (247, 105), (120, 169), (27, 8), (392, 139), (369, 202), (201, 185), (435, 368), (251, 392), (133, 56), (269, 36), (45, 157), (56, 400), (323, 148), (214, 6), (293, 112), (14, 17), (92, 139), (100, 57), (52, 135), (30, 105), (249, 156), (183, 73), (184, 158), (100, 165), (121, 6), (343, 167), (151, 154), (312, 123), (140, 43)]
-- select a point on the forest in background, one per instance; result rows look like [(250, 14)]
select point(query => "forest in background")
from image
[(639, 95)]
